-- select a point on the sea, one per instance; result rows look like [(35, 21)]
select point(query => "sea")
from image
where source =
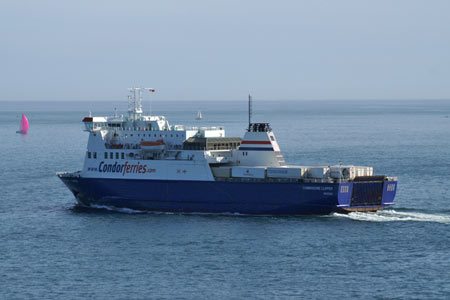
[(52, 249)]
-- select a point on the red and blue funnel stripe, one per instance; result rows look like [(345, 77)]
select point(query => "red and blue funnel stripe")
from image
[(256, 146)]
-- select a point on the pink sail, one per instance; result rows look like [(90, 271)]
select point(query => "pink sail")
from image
[(24, 126)]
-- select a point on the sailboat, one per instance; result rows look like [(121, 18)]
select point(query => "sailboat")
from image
[(23, 125), (199, 115)]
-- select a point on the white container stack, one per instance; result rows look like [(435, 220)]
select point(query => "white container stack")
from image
[(286, 172), (364, 171), (250, 172), (350, 172), (294, 172)]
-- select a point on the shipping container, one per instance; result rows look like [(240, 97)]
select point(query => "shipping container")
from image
[(364, 171), (359, 171), (250, 172), (318, 172), (221, 172), (286, 172)]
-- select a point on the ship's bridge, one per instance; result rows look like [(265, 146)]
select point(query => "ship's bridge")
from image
[(143, 123), (259, 127), (94, 123)]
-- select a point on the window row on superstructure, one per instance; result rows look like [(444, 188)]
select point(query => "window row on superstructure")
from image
[(154, 135), (195, 143), (109, 155)]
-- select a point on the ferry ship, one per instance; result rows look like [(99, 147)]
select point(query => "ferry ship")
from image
[(142, 162)]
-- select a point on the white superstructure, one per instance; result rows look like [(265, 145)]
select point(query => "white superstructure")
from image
[(138, 146)]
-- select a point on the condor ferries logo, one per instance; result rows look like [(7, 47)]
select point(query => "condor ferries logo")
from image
[(123, 169)]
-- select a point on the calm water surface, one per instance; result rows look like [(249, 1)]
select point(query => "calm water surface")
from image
[(49, 248)]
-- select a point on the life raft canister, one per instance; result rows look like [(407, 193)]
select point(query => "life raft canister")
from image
[(345, 172)]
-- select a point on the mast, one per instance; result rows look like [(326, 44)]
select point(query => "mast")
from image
[(135, 102), (249, 111), (151, 90)]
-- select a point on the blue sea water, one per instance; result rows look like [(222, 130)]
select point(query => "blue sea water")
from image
[(52, 249)]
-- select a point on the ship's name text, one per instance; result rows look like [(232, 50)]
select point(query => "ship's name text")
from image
[(125, 168)]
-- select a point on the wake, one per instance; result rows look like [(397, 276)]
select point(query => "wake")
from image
[(116, 209), (395, 216), (379, 216)]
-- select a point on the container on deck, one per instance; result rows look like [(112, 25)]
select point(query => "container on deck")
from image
[(221, 172), (249, 172), (364, 171), (318, 172), (286, 172), (343, 172)]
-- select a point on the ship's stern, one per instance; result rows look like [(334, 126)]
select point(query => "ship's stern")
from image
[(366, 194)]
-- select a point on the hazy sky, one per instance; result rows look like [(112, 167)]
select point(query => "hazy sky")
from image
[(220, 50)]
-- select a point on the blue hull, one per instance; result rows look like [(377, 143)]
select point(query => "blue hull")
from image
[(265, 198)]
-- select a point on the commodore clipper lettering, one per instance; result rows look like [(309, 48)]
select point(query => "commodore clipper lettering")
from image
[(142, 162)]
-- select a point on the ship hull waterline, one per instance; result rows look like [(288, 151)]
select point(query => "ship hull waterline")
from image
[(253, 198)]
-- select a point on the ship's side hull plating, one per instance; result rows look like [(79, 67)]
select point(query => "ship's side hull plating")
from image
[(281, 198)]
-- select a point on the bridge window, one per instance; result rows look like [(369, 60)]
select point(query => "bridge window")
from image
[(95, 155), (111, 155), (117, 155), (123, 155), (89, 154), (106, 155)]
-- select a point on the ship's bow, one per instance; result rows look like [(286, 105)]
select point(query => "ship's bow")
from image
[(72, 181)]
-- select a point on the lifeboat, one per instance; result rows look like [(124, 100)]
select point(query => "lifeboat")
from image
[(158, 145)]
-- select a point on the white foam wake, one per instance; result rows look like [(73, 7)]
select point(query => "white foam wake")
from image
[(117, 209), (396, 216), (135, 211)]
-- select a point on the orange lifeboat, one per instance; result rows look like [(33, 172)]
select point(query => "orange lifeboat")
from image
[(158, 145)]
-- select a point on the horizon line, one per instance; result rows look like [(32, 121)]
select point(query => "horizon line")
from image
[(238, 100)]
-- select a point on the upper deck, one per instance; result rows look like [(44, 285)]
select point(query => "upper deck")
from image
[(204, 152)]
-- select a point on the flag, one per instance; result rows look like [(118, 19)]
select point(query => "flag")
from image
[(151, 90)]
